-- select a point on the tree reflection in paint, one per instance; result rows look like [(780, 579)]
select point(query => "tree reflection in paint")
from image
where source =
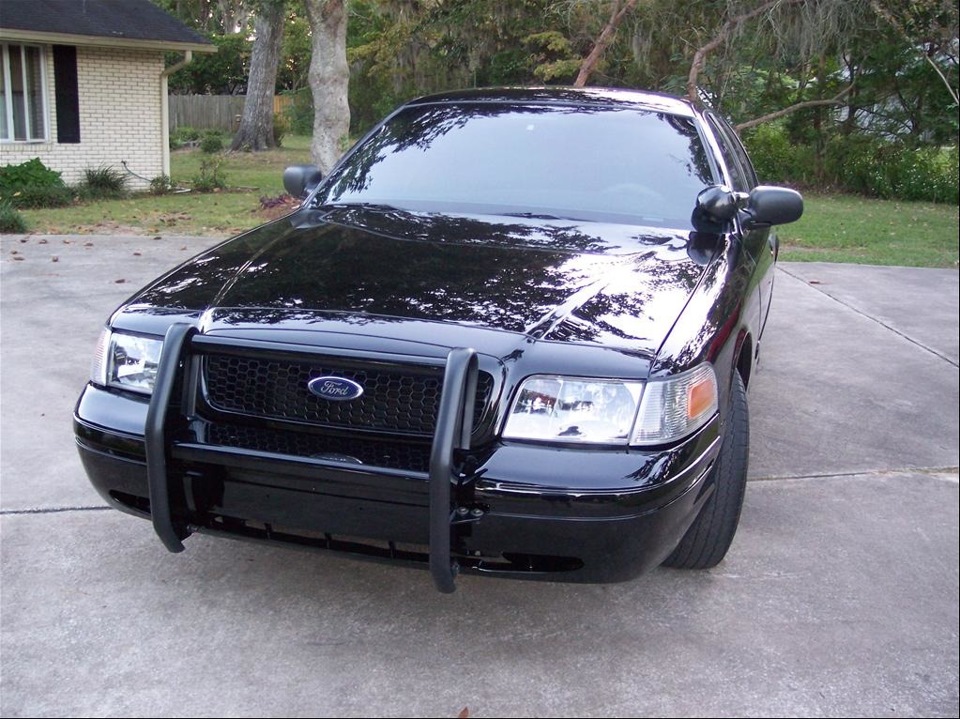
[(591, 162)]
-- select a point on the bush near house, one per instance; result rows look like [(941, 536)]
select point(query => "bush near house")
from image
[(32, 184), (102, 183), (162, 185), (211, 177)]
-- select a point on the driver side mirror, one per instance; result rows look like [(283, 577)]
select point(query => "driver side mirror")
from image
[(716, 206), (765, 205)]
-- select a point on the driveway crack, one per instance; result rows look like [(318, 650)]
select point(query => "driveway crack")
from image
[(880, 322), (52, 510)]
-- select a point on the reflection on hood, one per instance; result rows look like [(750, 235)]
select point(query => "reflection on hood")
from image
[(554, 280)]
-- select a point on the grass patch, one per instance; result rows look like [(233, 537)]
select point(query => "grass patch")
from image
[(10, 219), (248, 175), (859, 230)]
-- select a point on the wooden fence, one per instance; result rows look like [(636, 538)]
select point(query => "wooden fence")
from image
[(219, 112)]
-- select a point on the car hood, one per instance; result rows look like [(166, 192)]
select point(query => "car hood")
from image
[(549, 279)]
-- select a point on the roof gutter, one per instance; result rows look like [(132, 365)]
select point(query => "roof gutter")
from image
[(60, 38), (165, 107), (187, 59)]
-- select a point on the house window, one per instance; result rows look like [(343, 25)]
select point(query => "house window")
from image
[(22, 94)]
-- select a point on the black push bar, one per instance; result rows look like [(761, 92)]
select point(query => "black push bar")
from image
[(454, 427), (452, 434), (155, 437)]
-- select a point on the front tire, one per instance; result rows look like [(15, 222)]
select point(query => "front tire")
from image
[(708, 538)]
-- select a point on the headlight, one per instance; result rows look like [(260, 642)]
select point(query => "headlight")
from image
[(609, 411), (126, 361), (571, 409)]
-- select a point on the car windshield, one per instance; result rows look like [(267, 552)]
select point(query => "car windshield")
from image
[(587, 163)]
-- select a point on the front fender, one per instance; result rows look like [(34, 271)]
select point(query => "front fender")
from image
[(719, 317)]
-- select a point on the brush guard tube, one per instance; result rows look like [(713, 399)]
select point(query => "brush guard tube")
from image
[(454, 427), (451, 436), (155, 438)]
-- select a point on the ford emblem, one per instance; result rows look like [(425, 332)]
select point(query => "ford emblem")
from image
[(337, 389)]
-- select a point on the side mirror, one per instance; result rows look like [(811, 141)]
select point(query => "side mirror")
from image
[(720, 203), (770, 205), (716, 206), (300, 180)]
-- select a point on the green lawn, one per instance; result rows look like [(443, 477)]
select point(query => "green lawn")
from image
[(249, 177), (834, 228), (858, 230)]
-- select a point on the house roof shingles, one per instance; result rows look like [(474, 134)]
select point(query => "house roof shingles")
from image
[(126, 22)]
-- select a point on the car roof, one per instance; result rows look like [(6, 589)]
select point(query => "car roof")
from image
[(604, 97)]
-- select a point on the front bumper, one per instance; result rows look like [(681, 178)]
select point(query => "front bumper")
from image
[(458, 501), (571, 514)]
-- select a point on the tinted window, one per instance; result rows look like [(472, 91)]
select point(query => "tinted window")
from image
[(600, 164), (741, 153), (734, 157)]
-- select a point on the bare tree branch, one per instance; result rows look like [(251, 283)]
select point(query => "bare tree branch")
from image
[(606, 37), (835, 100), (700, 56), (953, 93)]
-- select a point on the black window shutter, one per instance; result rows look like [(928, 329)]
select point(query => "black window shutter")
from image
[(68, 95)]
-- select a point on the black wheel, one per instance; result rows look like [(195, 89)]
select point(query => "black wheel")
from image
[(709, 537)]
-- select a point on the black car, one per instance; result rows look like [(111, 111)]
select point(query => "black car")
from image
[(510, 333)]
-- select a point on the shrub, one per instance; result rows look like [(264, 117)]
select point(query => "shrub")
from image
[(859, 163), (776, 158), (184, 137), (211, 177), (892, 170), (10, 219), (102, 183), (161, 185), (33, 198), (211, 142), (33, 184), (927, 173)]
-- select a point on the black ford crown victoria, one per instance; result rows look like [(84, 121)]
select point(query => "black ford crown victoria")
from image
[(510, 333)]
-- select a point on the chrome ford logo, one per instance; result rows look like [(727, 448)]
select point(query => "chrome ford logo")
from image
[(337, 389)]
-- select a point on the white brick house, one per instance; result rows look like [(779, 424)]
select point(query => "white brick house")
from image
[(83, 84)]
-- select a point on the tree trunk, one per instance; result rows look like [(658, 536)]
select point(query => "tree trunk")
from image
[(256, 123), (329, 80)]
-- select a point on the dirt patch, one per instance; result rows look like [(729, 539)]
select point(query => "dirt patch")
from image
[(273, 207)]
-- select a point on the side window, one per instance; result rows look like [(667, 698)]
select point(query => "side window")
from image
[(741, 154), (730, 149), (736, 147)]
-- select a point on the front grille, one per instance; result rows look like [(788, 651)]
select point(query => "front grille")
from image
[(397, 399), (411, 456)]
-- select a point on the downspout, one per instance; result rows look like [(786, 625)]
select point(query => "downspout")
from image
[(165, 107)]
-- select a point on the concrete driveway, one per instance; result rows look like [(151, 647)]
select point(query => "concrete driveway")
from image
[(839, 596)]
